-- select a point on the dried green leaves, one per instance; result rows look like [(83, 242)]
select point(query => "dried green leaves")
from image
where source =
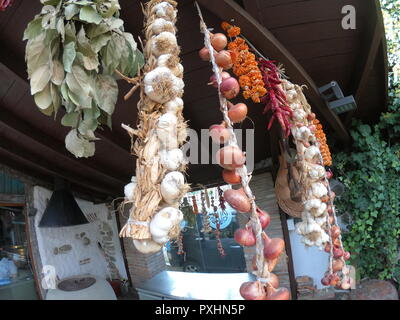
[(73, 50)]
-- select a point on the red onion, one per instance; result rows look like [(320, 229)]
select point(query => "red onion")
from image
[(334, 280), (230, 88), (346, 255), (271, 263), (337, 253), (238, 112), (219, 41), (274, 280), (230, 157), (329, 174), (213, 78), (335, 232), (245, 237), (237, 200), (272, 247), (219, 133), (264, 218), (231, 176), (326, 280), (252, 291)]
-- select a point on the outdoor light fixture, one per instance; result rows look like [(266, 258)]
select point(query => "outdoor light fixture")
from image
[(337, 102), (62, 209)]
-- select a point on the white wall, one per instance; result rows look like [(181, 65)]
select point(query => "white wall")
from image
[(307, 261), (67, 265)]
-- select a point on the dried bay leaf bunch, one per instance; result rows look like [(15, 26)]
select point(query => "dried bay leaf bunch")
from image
[(73, 50)]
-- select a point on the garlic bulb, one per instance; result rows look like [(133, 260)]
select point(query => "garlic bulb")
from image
[(172, 186), (174, 106), (164, 43), (302, 133), (319, 190), (164, 10), (171, 62), (161, 25), (316, 171), (167, 131), (147, 246), (299, 115), (316, 207), (311, 152), (291, 94), (312, 233), (160, 85), (129, 189), (172, 159), (162, 223)]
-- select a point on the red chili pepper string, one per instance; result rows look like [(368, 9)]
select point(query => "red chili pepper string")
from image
[(195, 207), (217, 229), (275, 100), (4, 4)]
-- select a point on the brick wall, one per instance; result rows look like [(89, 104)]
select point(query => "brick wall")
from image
[(262, 186), (141, 266)]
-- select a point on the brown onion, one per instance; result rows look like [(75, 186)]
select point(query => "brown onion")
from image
[(231, 176), (245, 237), (230, 157), (230, 88), (219, 41), (252, 291), (264, 218), (237, 200), (219, 133), (335, 280), (223, 59), (337, 265), (335, 232), (213, 78), (272, 247), (271, 263), (238, 112), (277, 294), (204, 54)]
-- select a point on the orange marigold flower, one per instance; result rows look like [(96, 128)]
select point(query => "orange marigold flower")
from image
[(233, 32), (225, 25)]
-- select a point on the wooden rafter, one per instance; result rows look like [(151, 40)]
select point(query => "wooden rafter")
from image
[(266, 43), (372, 49)]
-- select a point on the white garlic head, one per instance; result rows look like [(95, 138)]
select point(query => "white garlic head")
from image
[(147, 246), (164, 10), (174, 106), (316, 171), (319, 190), (161, 25), (160, 85), (172, 159), (164, 43), (171, 62), (172, 187), (311, 152)]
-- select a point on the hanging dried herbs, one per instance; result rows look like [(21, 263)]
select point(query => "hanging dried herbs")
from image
[(73, 50)]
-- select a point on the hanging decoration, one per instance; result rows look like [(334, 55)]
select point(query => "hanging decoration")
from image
[(232, 158), (206, 219), (195, 206), (245, 66), (73, 50), (323, 146), (217, 229), (160, 164), (4, 4), (319, 223)]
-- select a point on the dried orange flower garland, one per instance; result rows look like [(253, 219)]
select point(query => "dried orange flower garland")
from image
[(323, 146), (245, 65)]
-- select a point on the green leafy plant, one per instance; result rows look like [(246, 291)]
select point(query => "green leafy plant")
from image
[(371, 173), (73, 50)]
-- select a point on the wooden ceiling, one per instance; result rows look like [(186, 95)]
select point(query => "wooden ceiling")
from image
[(304, 35)]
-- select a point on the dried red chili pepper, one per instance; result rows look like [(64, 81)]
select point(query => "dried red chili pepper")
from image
[(4, 4)]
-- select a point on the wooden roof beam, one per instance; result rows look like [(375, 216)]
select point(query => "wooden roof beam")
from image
[(266, 43), (372, 48)]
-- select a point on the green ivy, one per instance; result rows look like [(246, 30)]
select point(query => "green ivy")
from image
[(371, 171)]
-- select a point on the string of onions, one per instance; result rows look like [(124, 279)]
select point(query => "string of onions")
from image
[(263, 285)]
